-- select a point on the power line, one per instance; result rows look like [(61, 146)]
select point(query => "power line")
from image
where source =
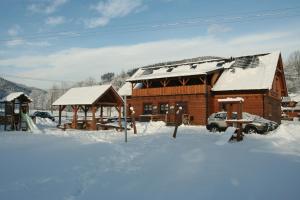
[(37, 79), (187, 22)]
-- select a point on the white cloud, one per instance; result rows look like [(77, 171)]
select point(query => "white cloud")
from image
[(218, 28), (96, 22), (78, 63), (15, 42), (14, 30), (22, 42), (53, 21), (110, 9), (48, 7), (257, 38)]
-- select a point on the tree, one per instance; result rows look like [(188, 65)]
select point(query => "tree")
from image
[(107, 78), (292, 71)]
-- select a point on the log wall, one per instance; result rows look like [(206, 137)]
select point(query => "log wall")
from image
[(262, 105), (165, 91), (196, 106)]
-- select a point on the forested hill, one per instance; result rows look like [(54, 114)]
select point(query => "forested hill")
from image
[(39, 95)]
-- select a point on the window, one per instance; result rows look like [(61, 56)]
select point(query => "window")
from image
[(221, 116), (147, 109), (163, 108), (170, 69), (193, 66)]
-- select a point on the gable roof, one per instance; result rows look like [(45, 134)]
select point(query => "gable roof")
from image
[(126, 89), (83, 95), (249, 73), (15, 95)]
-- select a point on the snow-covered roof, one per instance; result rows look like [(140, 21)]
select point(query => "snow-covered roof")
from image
[(296, 108), (185, 69), (293, 97), (82, 95), (286, 99), (249, 73), (13, 96), (126, 89)]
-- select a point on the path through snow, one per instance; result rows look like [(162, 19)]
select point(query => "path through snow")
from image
[(152, 165)]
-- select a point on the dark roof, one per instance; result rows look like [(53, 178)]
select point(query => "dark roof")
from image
[(184, 61)]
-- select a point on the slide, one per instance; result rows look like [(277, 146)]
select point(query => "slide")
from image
[(225, 137), (31, 125)]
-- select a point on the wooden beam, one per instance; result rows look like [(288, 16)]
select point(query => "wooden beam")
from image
[(202, 79), (180, 80), (75, 116), (93, 125), (162, 83), (86, 109), (60, 109), (185, 81), (101, 113), (120, 123)]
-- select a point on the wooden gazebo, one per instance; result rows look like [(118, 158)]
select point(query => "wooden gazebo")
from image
[(13, 104), (89, 99)]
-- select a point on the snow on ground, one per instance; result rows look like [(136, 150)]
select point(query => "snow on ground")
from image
[(73, 164)]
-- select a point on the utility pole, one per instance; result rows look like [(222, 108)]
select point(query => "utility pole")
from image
[(125, 117)]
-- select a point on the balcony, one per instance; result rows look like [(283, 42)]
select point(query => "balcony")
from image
[(175, 90)]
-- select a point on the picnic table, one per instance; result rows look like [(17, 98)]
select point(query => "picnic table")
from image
[(238, 124)]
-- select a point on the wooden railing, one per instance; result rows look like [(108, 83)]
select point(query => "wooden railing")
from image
[(176, 90)]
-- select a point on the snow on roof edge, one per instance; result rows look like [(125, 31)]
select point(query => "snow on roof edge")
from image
[(74, 95), (14, 95)]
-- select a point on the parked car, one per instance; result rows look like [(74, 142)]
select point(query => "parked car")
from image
[(43, 114), (217, 122)]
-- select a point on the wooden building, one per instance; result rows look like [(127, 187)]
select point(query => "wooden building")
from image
[(196, 86), (290, 107), (89, 99), (11, 108)]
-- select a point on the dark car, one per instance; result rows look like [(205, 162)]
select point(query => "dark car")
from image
[(43, 114)]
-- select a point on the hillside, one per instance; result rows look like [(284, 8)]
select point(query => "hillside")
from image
[(39, 95)]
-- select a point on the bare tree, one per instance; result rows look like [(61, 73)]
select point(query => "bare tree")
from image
[(292, 71), (107, 77)]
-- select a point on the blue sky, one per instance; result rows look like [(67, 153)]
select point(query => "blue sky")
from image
[(68, 40)]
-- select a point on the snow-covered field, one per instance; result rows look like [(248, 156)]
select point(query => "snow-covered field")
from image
[(53, 164)]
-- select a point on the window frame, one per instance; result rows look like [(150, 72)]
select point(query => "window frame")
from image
[(148, 111)]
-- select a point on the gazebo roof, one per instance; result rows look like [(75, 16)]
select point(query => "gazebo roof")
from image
[(88, 96)]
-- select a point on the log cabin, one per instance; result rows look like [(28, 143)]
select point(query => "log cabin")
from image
[(154, 91)]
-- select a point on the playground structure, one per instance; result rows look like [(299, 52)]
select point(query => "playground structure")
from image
[(14, 112)]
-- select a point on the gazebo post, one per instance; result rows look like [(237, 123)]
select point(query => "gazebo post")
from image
[(86, 108), (59, 114), (74, 121), (20, 118), (5, 114), (101, 113), (13, 116), (119, 111), (94, 127)]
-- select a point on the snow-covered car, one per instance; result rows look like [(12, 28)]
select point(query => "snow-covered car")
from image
[(217, 122), (43, 114)]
